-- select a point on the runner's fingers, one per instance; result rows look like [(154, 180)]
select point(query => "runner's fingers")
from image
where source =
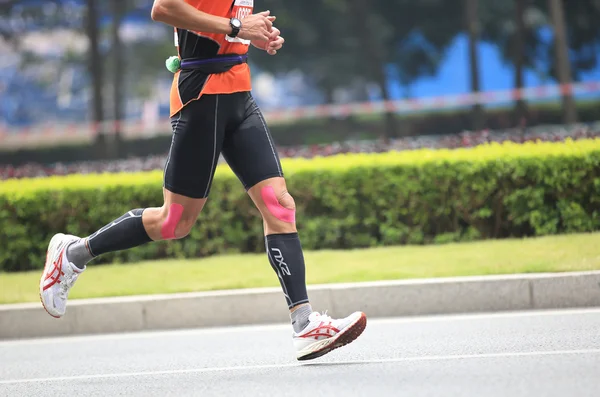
[(276, 44), (274, 33), (268, 24)]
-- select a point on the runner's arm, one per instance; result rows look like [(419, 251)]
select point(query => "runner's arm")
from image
[(180, 14)]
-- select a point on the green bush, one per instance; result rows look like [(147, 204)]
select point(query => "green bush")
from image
[(344, 201)]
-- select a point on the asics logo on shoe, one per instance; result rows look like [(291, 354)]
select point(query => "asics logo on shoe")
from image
[(54, 275), (280, 262), (323, 331)]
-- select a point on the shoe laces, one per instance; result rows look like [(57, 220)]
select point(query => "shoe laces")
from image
[(323, 316), (66, 283)]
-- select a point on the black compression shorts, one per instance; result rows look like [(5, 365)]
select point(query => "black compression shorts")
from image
[(227, 124)]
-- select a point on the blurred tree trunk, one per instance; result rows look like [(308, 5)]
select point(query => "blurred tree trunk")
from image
[(472, 22), (117, 10), (375, 60), (95, 64), (563, 64), (519, 58), (332, 121)]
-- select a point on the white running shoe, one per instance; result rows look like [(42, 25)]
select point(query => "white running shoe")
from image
[(324, 334), (59, 276)]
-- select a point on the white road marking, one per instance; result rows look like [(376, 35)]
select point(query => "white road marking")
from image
[(297, 365), (286, 327), (486, 316), (464, 357)]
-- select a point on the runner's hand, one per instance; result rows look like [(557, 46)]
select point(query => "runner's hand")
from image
[(275, 43), (257, 26), (272, 45)]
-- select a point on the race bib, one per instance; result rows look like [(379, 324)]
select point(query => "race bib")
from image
[(241, 9)]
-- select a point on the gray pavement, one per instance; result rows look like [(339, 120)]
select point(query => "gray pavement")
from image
[(509, 354)]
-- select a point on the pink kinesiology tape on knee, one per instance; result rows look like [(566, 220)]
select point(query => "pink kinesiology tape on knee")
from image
[(280, 212), (168, 228)]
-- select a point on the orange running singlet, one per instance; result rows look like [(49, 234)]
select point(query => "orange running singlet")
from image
[(189, 85)]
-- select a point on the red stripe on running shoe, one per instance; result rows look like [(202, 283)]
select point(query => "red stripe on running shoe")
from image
[(321, 330), (56, 268)]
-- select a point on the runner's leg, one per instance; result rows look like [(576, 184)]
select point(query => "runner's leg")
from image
[(250, 152), (198, 131), (188, 174)]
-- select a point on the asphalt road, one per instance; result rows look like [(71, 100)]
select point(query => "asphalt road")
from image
[(511, 354)]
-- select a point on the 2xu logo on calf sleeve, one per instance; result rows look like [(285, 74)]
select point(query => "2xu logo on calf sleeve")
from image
[(174, 216), (278, 256)]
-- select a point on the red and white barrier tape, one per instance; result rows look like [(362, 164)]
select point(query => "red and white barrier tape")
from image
[(56, 133)]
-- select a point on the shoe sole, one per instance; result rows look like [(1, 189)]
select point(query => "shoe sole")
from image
[(51, 248), (345, 337)]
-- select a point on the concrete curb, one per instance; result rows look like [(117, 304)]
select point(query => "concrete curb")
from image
[(266, 305)]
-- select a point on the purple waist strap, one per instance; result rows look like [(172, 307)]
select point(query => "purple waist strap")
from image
[(224, 62)]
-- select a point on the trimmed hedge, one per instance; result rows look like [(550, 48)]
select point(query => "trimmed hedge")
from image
[(345, 201)]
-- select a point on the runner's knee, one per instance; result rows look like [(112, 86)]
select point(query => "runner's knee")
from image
[(176, 222), (281, 210)]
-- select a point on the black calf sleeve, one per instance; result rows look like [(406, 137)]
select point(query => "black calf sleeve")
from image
[(123, 233), (286, 258)]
